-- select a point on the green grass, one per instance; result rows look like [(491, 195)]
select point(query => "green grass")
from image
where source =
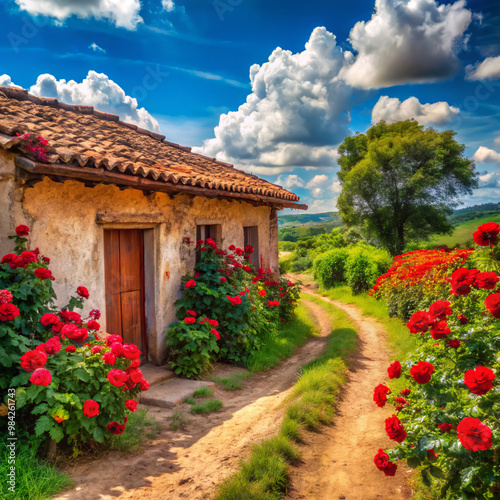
[(463, 232), (281, 346), (208, 406), (139, 428), (232, 382), (35, 479), (203, 392), (177, 421), (264, 476), (189, 401)]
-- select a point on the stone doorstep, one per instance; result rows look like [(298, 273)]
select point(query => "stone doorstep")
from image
[(169, 394), (156, 374)]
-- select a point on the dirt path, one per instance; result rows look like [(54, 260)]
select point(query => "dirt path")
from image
[(190, 464), (338, 462)]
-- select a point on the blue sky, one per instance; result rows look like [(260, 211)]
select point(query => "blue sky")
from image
[(284, 82)]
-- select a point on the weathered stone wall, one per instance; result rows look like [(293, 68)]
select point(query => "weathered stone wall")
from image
[(67, 222)]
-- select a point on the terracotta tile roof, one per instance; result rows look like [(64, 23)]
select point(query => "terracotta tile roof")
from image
[(86, 143)]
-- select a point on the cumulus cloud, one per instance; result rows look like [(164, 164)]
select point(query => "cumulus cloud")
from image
[(407, 41), (317, 193), (336, 187), (93, 46), (291, 181), (122, 13), (168, 5), (486, 155), (297, 113), (6, 81), (489, 69), (489, 180), (392, 110), (99, 91), (317, 181)]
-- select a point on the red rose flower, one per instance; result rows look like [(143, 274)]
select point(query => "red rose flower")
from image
[(462, 279), (394, 429), (486, 281), (82, 292), (135, 363), (22, 230), (33, 360), (249, 249), (52, 346), (49, 319), (487, 234), (116, 428), (474, 435), (479, 380), (93, 325), (8, 312), (95, 314), (432, 455), (213, 331), (117, 349), (463, 320), (90, 408), (247, 269), (492, 303), (109, 358), (213, 322), (380, 395), (70, 348), (5, 297), (97, 348), (232, 248), (401, 401), (192, 313), (72, 332), (131, 405), (222, 279), (28, 257), (419, 322), (131, 351), (190, 320), (111, 339), (382, 463), (234, 300), (190, 284), (422, 372), (445, 427), (144, 385), (394, 370), (262, 293), (43, 274), (135, 375), (405, 392), (454, 343), (41, 376), (440, 330), (70, 316), (440, 309), (117, 377)]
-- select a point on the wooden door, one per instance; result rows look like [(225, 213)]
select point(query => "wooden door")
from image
[(251, 237), (124, 281)]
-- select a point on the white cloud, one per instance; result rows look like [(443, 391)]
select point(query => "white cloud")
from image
[(93, 46), (317, 193), (336, 187), (320, 206), (298, 111), (392, 110), (317, 181), (291, 181), (6, 81), (99, 91), (407, 41), (168, 5), (486, 155), (122, 13), (489, 69), (489, 180)]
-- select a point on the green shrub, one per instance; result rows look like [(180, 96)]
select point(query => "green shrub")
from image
[(208, 406), (329, 267), (301, 264), (287, 246)]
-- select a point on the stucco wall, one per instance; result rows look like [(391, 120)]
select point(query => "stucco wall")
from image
[(62, 218)]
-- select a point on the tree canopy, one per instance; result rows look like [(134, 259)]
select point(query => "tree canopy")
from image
[(401, 181)]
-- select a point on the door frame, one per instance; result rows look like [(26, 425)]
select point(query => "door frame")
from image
[(150, 237)]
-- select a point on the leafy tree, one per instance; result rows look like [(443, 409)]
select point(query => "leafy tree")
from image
[(400, 181)]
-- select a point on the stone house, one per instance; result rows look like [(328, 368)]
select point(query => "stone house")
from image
[(113, 205)]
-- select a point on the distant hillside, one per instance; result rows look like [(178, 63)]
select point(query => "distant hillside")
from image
[(475, 212), (307, 219)]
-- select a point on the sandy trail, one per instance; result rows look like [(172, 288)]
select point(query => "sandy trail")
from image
[(190, 464), (338, 462)]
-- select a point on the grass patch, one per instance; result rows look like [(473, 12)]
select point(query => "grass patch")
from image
[(282, 345), (177, 421), (208, 406), (139, 428), (264, 476), (35, 479), (232, 382), (189, 401), (203, 392)]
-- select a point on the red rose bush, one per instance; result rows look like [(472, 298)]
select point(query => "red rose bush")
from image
[(74, 390), (447, 420)]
